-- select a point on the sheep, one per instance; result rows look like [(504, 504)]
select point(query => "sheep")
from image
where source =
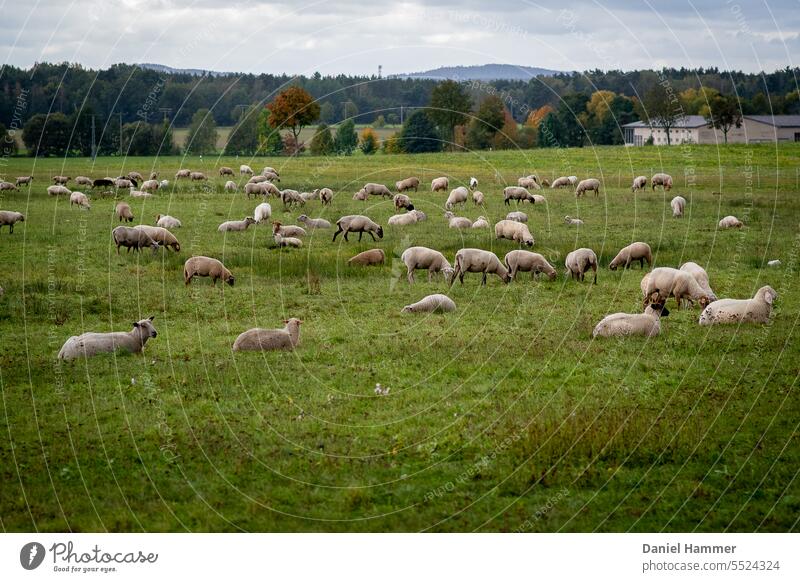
[(661, 179), (289, 230), (538, 199), (678, 204), (457, 196), (245, 169), (83, 181), (253, 189), (407, 184), (123, 211), (478, 261), (517, 216), (163, 183), (161, 235), (236, 225), (309, 196), (225, 171), (665, 282), (424, 258), (182, 174), (58, 190), (262, 213), (140, 194), (61, 180), (206, 267), (700, 275), (482, 222), (755, 310), (132, 238), (579, 261), (270, 170), (21, 180), (647, 324), (102, 183), (638, 251), (357, 223), (402, 201), (404, 219), (436, 303), (545, 183), (361, 195), (519, 260), (167, 221), (154, 175), (325, 196), (529, 182), (588, 185), (573, 180), (7, 186), (90, 344), (135, 176), (515, 193), (377, 190), (123, 183), (259, 339), (286, 241), (368, 258), (478, 198), (562, 182), (230, 186), (292, 198), (440, 184), (454, 221), (150, 186), (258, 180), (774, 263), (312, 223), (473, 183), (639, 183), (197, 176), (573, 221), (80, 199), (512, 230), (10, 218), (271, 176), (730, 222), (267, 189)]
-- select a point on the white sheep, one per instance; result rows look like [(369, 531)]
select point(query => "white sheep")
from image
[(289, 230), (150, 186), (573, 221), (312, 223), (755, 310), (61, 179), (516, 193), (457, 196), (402, 201), (440, 184), (140, 194), (357, 223), (230, 186), (245, 170), (562, 182), (538, 199), (526, 261), (7, 186), (405, 219), (454, 221), (517, 216), (368, 258), (291, 197), (374, 189), (206, 267), (254, 189), (262, 213), (661, 179), (481, 222), (700, 275), (123, 183), (531, 182), (258, 180), (678, 204), (80, 199), (90, 344), (236, 225), (21, 180), (286, 241), (361, 195), (579, 261), (135, 176), (167, 221), (639, 183), (132, 238), (225, 171), (478, 261), (730, 222), (590, 184), (163, 183), (83, 181), (197, 176), (647, 324), (424, 258), (407, 184), (326, 196), (259, 339), (638, 251), (665, 282), (436, 303), (58, 190), (161, 235), (124, 212), (9, 218), (513, 230), (270, 170), (473, 183), (478, 198)]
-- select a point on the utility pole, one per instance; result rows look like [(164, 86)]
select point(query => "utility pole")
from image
[(166, 111)]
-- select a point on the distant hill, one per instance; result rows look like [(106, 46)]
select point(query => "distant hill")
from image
[(492, 72), (172, 71)]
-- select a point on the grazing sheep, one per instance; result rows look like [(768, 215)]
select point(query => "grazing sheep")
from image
[(730, 222), (61, 180), (182, 174), (206, 267), (436, 303), (361, 195), (573, 221), (515, 193), (666, 282), (163, 183), (368, 258), (135, 176), (374, 189), (678, 204), (80, 199), (58, 190), (286, 241), (538, 199), (7, 186), (270, 170), (562, 182), (478, 198), (253, 189), (531, 182), (660, 179), (309, 196), (236, 225), (517, 216), (473, 183), (639, 183), (10, 218), (755, 310), (150, 186), (244, 169), (405, 219), (123, 211), (700, 275), (291, 197), (197, 176), (407, 184), (457, 196), (312, 223), (579, 261), (440, 184), (478, 261), (647, 324), (259, 339), (590, 184), (325, 196), (424, 258), (262, 213), (90, 344), (24, 180), (167, 221), (258, 180), (271, 176), (225, 171), (140, 194), (482, 222), (402, 201), (132, 238), (230, 186), (123, 183), (161, 235), (454, 221), (83, 181), (357, 223), (573, 180), (103, 183), (289, 230), (519, 260), (638, 251), (513, 230)]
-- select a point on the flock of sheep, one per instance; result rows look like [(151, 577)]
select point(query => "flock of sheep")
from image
[(689, 284)]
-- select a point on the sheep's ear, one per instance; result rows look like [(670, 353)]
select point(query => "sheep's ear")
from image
[(768, 297), (135, 324)]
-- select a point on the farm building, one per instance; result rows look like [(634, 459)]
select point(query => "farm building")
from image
[(695, 129)]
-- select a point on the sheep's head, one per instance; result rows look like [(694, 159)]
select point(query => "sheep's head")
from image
[(302, 218), (506, 277), (145, 326), (249, 220), (704, 301), (448, 215), (380, 232), (657, 309), (768, 293), (407, 309), (230, 280), (551, 274)]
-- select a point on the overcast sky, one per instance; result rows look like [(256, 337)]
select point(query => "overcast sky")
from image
[(355, 36)]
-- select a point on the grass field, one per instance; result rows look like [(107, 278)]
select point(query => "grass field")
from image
[(503, 416)]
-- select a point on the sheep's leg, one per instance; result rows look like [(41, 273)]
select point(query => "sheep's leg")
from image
[(410, 276), (360, 234), (335, 234), (345, 235), (430, 275), (483, 279), (594, 268), (373, 236)]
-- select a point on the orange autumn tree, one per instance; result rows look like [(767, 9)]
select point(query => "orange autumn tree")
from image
[(537, 116), (293, 108)]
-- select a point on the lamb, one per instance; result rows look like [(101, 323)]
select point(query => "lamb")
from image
[(440, 184), (478, 198), (407, 184), (24, 180), (473, 183), (61, 179), (424, 258), (405, 219), (123, 211), (639, 183), (517, 216), (182, 174), (122, 183), (579, 261), (167, 221), (289, 230), (357, 223), (361, 195), (678, 204), (457, 221), (230, 186), (161, 235), (478, 261), (700, 275), (80, 199), (197, 176), (262, 213), (292, 198), (368, 258), (206, 267), (638, 251), (519, 260), (225, 171), (83, 181), (562, 182), (436, 303), (755, 310), (236, 225), (647, 324), (482, 222), (457, 196), (515, 193), (573, 221), (135, 176), (132, 238), (665, 282), (270, 170), (90, 344), (259, 339), (286, 241), (245, 170), (531, 181), (7, 186), (312, 223), (150, 186), (730, 222), (326, 196), (590, 184), (661, 179), (10, 218), (402, 201), (58, 190), (377, 190), (512, 230)]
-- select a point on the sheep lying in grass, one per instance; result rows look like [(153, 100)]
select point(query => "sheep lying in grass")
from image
[(668, 282), (361, 195), (312, 223), (639, 183), (424, 258), (9, 218), (286, 241), (517, 216), (538, 199), (90, 344), (440, 184), (259, 339), (236, 225), (647, 324), (638, 251), (357, 223), (454, 221), (80, 199), (161, 235), (588, 185), (262, 213), (478, 261), (206, 267), (167, 221), (512, 230), (405, 219), (407, 184), (140, 194), (481, 222), (289, 230), (124, 212), (368, 258), (436, 303), (526, 261), (132, 238), (678, 204), (572, 221), (579, 261), (755, 310), (161, 184), (700, 275), (58, 190), (457, 196), (661, 179), (730, 222)]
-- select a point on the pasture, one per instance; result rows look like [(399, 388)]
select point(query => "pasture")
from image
[(503, 416)]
